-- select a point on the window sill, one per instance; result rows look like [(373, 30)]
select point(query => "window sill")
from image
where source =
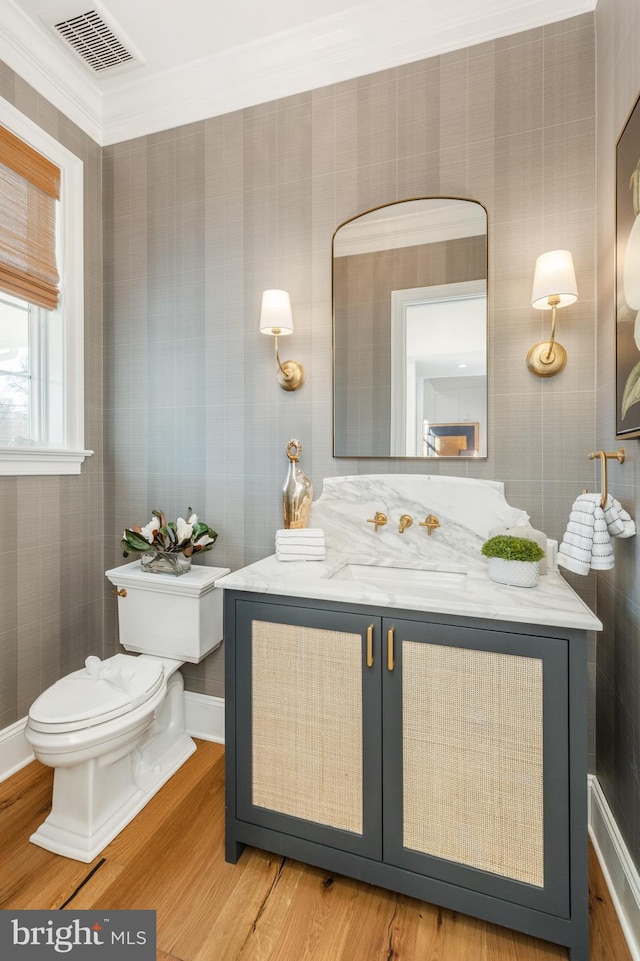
[(40, 460)]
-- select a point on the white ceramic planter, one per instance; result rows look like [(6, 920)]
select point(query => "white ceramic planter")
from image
[(514, 573)]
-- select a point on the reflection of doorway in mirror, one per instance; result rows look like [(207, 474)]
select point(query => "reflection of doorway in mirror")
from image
[(438, 369)]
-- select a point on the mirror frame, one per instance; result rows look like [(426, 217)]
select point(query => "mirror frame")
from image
[(393, 203)]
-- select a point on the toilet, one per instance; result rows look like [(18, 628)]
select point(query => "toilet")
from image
[(114, 731)]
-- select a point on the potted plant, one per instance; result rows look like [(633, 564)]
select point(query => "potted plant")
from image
[(513, 560), (166, 547)]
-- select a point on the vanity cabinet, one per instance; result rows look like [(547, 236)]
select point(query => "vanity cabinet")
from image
[(438, 756)]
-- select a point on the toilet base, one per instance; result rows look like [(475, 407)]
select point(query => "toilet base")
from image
[(93, 801)]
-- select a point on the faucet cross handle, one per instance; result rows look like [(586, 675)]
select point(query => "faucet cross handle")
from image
[(379, 519), (431, 522)]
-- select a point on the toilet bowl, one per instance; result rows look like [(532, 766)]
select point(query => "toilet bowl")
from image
[(114, 731)]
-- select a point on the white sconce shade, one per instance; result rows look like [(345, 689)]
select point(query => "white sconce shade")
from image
[(276, 315), (554, 277), (276, 318)]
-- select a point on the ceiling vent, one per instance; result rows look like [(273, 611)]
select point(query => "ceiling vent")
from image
[(93, 37)]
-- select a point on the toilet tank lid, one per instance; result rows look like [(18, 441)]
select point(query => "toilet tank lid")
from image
[(199, 580), (98, 692)]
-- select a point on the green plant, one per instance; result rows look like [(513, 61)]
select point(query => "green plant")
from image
[(173, 537), (512, 548)]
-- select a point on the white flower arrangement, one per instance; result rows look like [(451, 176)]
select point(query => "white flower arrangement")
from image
[(182, 536)]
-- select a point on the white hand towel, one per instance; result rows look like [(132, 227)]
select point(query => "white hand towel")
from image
[(306, 535), (292, 533), (316, 551), (300, 544), (309, 555), (619, 522), (586, 544)]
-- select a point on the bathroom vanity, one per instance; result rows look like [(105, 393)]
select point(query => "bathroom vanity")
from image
[(394, 716)]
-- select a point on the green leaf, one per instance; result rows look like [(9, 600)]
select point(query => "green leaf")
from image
[(169, 533), (200, 530), (135, 542), (631, 393)]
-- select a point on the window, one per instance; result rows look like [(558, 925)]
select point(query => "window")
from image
[(41, 329)]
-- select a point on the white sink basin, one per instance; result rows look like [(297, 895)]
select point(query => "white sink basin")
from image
[(406, 579)]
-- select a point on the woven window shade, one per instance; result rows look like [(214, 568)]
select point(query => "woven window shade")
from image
[(29, 190)]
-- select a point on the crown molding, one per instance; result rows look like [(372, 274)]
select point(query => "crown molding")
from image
[(32, 55), (327, 51)]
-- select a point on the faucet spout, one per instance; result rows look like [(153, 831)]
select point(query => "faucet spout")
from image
[(405, 521)]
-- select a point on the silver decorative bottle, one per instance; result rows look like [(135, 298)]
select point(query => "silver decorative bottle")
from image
[(297, 491)]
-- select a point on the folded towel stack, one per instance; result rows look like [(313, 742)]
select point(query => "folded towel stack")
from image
[(586, 545), (305, 544)]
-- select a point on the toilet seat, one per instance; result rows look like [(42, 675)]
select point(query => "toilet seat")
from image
[(99, 692)]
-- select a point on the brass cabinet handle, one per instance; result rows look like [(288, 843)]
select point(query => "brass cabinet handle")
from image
[(121, 593), (370, 646), (390, 649)]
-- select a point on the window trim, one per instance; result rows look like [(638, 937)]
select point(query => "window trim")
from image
[(36, 458)]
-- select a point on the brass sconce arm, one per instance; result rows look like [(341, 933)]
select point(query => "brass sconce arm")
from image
[(290, 373), (548, 358)]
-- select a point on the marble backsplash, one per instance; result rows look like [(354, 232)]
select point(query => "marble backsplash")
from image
[(467, 509)]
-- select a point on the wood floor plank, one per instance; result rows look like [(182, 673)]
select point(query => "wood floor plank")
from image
[(157, 819), (92, 892), (325, 917), (266, 908)]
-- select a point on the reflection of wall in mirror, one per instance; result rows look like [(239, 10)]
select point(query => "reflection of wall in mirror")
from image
[(362, 291)]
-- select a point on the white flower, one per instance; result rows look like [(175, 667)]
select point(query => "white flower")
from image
[(204, 540), (151, 529), (184, 529), (193, 519)]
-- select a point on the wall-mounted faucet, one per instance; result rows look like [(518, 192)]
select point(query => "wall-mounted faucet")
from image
[(405, 521), (430, 522), (379, 519)]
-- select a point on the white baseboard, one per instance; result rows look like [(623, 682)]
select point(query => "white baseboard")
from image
[(204, 716), (14, 750), (618, 869)]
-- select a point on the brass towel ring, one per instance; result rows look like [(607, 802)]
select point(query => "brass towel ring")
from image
[(619, 455)]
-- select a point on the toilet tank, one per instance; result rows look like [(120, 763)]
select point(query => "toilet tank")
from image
[(177, 617)]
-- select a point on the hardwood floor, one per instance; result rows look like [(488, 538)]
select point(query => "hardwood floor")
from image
[(265, 908)]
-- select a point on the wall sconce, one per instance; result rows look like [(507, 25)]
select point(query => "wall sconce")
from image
[(554, 285), (276, 319)]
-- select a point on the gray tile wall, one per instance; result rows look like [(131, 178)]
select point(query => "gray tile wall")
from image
[(618, 600), (200, 219), (51, 562)]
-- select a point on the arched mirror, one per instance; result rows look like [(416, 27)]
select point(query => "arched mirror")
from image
[(410, 331)]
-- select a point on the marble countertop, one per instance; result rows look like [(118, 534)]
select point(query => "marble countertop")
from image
[(469, 510), (552, 603)]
